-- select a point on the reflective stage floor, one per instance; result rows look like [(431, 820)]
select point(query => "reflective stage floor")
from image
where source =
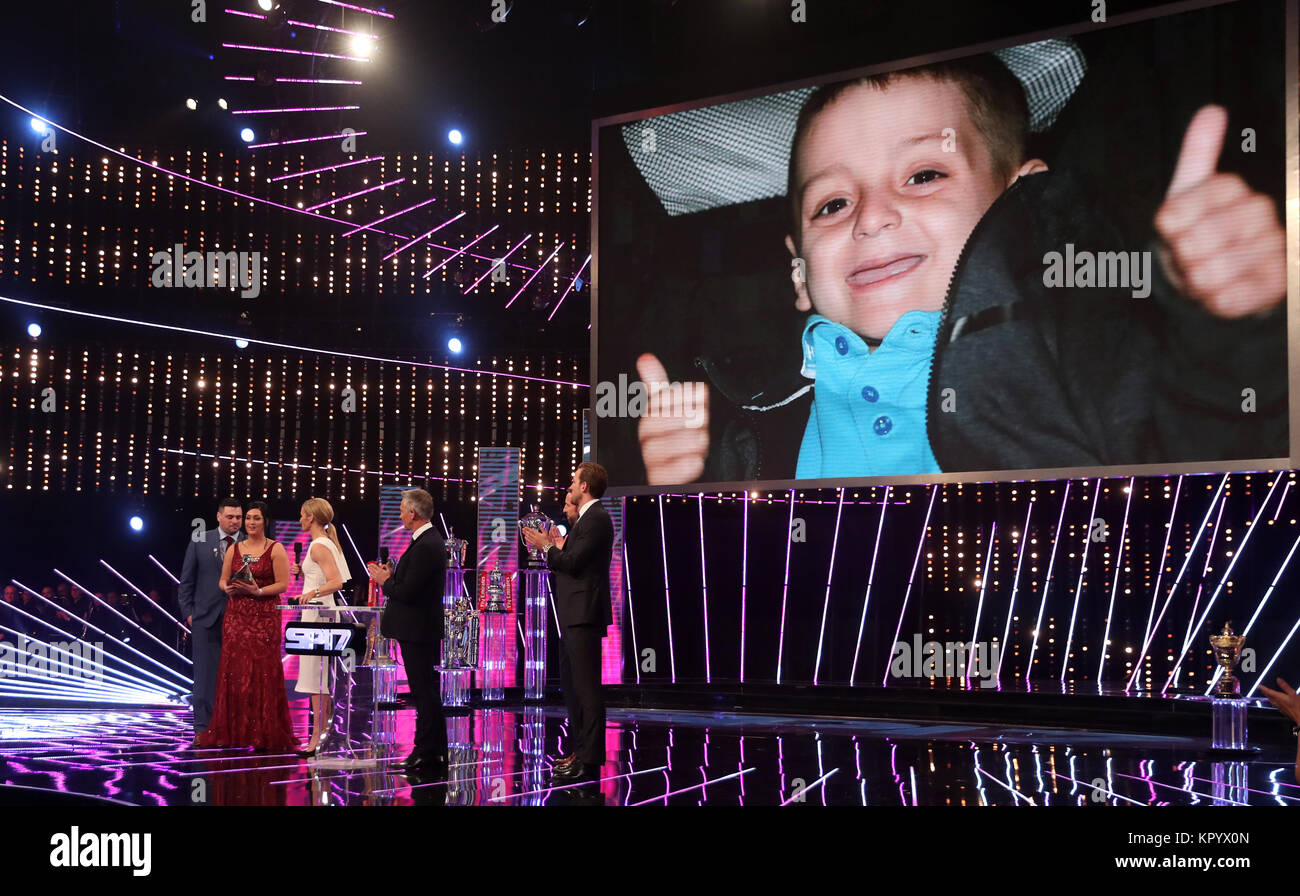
[(653, 757)]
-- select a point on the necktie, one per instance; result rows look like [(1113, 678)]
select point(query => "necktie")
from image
[(226, 542)]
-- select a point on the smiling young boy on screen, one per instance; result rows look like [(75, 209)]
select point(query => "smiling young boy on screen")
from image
[(945, 334)]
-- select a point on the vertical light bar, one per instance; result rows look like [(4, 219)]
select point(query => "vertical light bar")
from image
[(871, 576), (1114, 586), (1078, 587), (979, 607), (668, 604), (1160, 571), (1015, 584), (1205, 571), (1047, 582), (704, 588), (916, 561), (785, 587), (631, 613), (744, 570), (826, 604), (1241, 549), (1258, 609)]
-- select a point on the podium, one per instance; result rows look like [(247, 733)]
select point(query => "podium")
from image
[(363, 730), (536, 589)]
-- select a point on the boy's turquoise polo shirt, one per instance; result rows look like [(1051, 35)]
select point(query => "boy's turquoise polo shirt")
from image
[(868, 410)]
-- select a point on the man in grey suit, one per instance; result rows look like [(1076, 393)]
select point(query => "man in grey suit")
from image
[(203, 604)]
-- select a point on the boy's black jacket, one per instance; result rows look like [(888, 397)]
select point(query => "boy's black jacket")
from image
[(1050, 377)]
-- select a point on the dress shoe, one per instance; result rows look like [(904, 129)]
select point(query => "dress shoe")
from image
[(574, 772), (565, 761)]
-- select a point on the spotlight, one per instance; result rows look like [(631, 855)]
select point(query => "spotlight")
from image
[(34, 331), (362, 45), (564, 530), (191, 104), (266, 5), (241, 343), (454, 345), (221, 101), (137, 524), (455, 136), (38, 126), (246, 135)]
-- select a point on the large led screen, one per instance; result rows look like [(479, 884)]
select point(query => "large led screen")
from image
[(1060, 256)]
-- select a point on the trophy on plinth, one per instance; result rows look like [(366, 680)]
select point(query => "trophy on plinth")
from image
[(496, 603), (538, 522), (460, 636), (1227, 647), (456, 550), (495, 592)]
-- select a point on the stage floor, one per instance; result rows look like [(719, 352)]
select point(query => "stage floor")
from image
[(654, 757)]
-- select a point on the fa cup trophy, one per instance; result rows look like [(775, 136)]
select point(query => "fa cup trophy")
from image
[(1227, 651)]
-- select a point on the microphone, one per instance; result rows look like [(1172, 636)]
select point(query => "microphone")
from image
[(383, 555), (297, 558)]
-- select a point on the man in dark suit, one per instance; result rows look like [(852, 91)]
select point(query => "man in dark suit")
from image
[(413, 615), (580, 563), (203, 604)]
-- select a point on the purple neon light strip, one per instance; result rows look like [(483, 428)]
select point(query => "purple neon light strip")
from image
[(152, 603), (335, 30), (429, 273), (184, 679), (979, 607), (289, 347), (122, 617), (171, 685), (422, 236), (916, 562), (826, 604), (668, 604), (168, 572), (655, 799), (1047, 582), (473, 286), (327, 168), (373, 12), (704, 599), (1241, 549), (744, 580), (1155, 592), (1218, 672), (871, 577), (1263, 675), (785, 587), (295, 52), (317, 81), (1282, 500), (1205, 570), (1015, 584), (307, 140), (240, 12), (312, 208), (240, 78), (397, 214), (1078, 588), (570, 288), (292, 109), (535, 273)]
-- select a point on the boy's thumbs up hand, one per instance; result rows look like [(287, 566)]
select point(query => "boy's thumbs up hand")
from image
[(1223, 245), (674, 436)]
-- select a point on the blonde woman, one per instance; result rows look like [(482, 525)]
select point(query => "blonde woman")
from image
[(324, 571)]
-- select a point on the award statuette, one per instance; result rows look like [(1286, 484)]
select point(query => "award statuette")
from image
[(245, 572), (538, 522), (1227, 647)]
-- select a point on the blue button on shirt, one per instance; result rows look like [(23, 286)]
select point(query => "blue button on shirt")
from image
[(868, 410)]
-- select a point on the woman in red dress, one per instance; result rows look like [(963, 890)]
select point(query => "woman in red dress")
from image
[(252, 708)]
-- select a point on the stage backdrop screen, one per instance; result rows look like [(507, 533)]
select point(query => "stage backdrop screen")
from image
[(1068, 256)]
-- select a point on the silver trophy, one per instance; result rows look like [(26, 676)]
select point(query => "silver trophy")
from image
[(538, 522), (496, 592), (460, 636), (456, 550)]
